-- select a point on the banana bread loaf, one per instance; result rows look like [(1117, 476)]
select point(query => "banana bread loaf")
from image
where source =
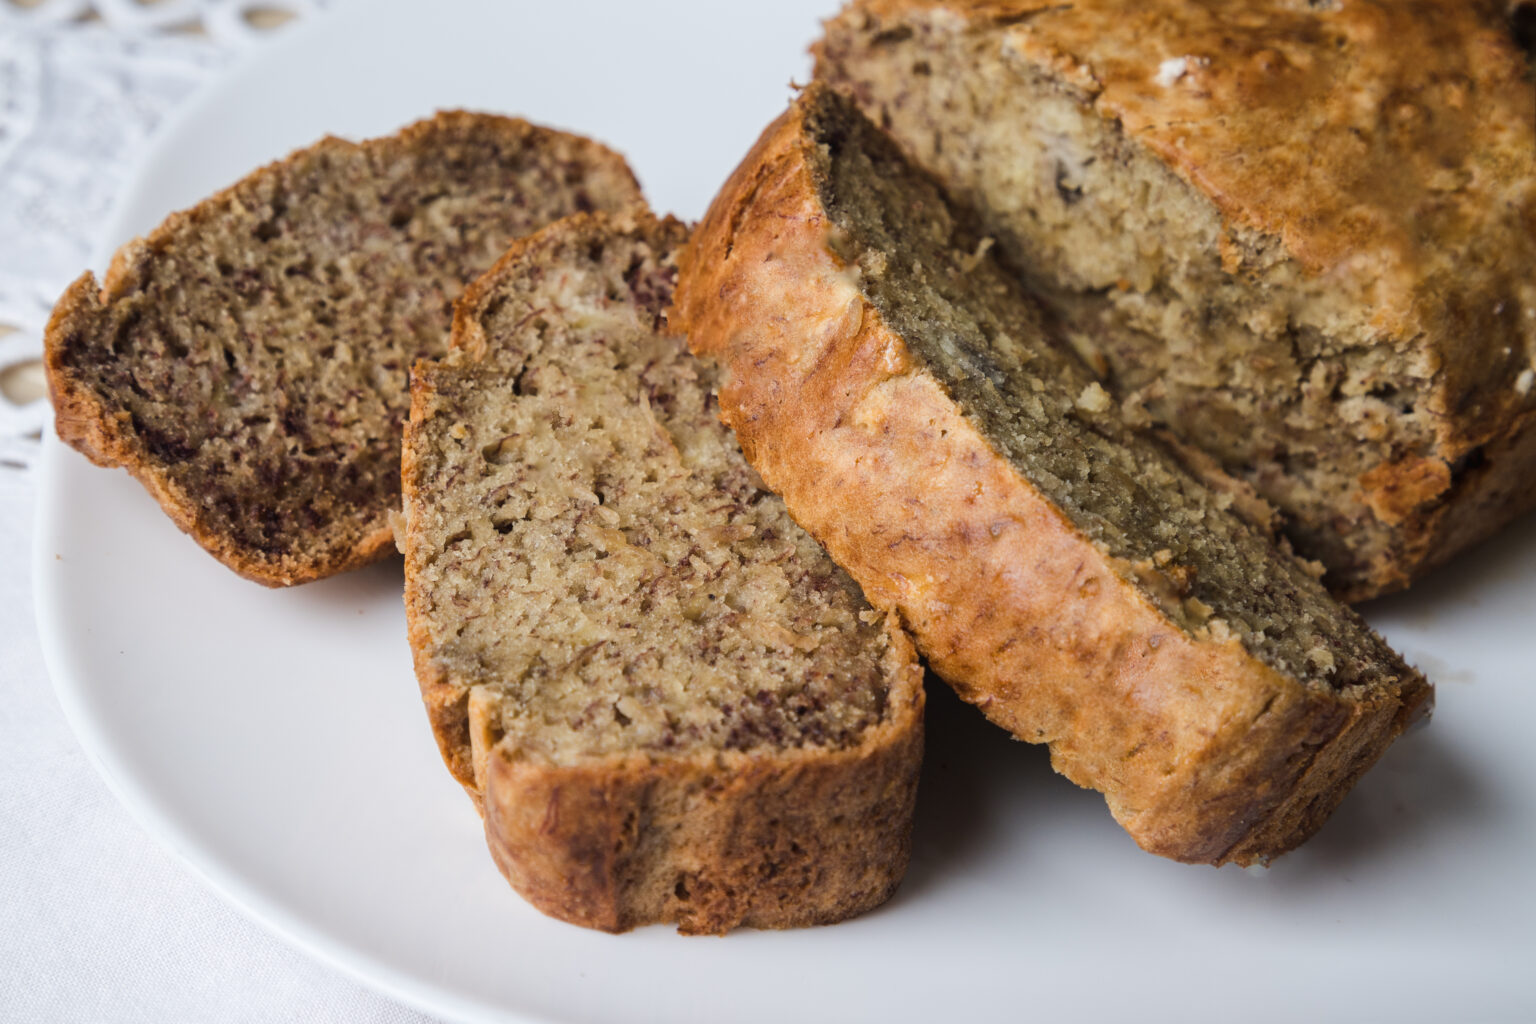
[(669, 704), (1066, 574), (247, 362), (1299, 234)]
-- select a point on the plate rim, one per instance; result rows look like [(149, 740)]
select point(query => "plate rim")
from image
[(91, 736)]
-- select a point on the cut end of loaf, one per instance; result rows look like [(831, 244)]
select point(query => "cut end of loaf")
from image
[(1174, 537), (1072, 578)]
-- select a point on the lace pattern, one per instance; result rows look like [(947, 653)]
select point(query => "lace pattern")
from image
[(83, 86)]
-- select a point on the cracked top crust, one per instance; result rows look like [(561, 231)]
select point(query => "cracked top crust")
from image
[(1307, 239), (1365, 134)]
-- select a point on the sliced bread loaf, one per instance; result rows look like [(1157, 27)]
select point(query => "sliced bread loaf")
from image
[(248, 360), (668, 702), (1070, 577), (1299, 234)]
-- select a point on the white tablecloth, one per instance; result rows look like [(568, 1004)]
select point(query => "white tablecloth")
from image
[(97, 923)]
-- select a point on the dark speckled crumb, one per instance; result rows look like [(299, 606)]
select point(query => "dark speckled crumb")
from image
[(598, 553), (1040, 406), (257, 348)]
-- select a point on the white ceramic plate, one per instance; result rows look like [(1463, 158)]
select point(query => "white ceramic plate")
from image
[(275, 741)]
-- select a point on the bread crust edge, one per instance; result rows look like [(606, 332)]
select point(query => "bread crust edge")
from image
[(1203, 753), (715, 841)]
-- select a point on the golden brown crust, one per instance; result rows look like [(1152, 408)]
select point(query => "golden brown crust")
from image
[(1203, 753), (711, 840), (1387, 147), (1297, 150), (105, 435)]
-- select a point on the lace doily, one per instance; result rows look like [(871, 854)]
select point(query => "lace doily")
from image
[(83, 85)]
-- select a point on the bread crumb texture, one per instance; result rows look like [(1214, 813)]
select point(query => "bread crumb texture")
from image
[(249, 359), (595, 550), (667, 700), (973, 327)]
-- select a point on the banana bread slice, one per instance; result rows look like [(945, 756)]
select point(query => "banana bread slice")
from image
[(248, 361), (668, 702), (1298, 234), (1067, 575)]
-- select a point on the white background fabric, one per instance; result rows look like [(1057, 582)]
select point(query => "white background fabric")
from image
[(97, 923)]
